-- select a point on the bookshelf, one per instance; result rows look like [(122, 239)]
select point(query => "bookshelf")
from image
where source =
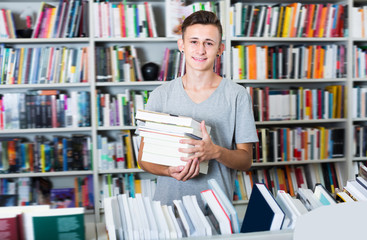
[(152, 50)]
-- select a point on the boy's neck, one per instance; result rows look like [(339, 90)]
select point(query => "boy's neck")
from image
[(200, 80)]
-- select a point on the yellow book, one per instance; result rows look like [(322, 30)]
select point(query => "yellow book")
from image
[(333, 90), (62, 67), (241, 65), (280, 24), (322, 142), (287, 21), (129, 149), (43, 158), (137, 183), (21, 62)]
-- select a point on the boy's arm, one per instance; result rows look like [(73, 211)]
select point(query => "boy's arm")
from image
[(205, 149)]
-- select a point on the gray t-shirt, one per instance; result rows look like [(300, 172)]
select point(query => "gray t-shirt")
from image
[(228, 111)]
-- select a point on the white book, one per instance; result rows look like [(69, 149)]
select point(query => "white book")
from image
[(175, 222), (288, 210), (138, 232), (223, 219), (145, 115), (127, 214), (195, 219), (161, 221), (122, 213), (143, 216), (170, 161), (204, 220), (154, 233), (116, 21), (186, 221), (170, 224), (226, 204)]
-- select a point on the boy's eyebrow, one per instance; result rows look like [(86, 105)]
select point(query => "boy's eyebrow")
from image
[(207, 39)]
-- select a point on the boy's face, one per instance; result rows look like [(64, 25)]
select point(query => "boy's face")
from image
[(201, 45)]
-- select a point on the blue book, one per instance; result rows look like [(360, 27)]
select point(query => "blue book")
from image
[(263, 212)]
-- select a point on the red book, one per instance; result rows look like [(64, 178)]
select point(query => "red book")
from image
[(9, 229), (317, 20), (146, 4), (123, 19), (3, 13)]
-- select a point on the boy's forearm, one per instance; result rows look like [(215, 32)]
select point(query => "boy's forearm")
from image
[(239, 159)]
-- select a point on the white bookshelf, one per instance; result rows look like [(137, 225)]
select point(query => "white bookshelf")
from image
[(153, 49)]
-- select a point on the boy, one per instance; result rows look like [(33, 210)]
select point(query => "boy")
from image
[(211, 99)]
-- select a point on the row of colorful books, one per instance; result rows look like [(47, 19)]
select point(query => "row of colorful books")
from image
[(120, 153), (124, 20), (40, 222), (45, 109), (299, 143), (288, 20), (70, 18), (126, 183), (283, 211), (7, 25), (59, 153), (43, 65), (38, 191), (298, 103), (131, 216), (118, 64), (120, 109), (288, 179), (288, 61)]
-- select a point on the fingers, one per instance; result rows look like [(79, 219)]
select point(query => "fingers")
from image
[(192, 169)]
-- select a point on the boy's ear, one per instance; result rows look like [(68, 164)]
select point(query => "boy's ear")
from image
[(221, 49), (180, 45)]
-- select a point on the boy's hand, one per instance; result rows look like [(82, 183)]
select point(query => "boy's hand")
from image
[(184, 173), (204, 149)]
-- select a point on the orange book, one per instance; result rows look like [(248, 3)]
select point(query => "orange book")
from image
[(289, 179), (309, 29), (281, 179), (316, 62), (293, 28), (323, 21), (251, 49)]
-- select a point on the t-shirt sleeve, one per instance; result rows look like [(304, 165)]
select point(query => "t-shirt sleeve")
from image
[(155, 101), (245, 129)]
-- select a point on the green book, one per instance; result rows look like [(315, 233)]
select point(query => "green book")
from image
[(60, 223)]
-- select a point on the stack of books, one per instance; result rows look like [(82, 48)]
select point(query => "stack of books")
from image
[(135, 217), (162, 134)]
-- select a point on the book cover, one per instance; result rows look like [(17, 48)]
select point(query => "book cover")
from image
[(62, 197), (263, 212)]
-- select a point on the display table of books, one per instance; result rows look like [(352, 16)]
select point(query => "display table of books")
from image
[(340, 221)]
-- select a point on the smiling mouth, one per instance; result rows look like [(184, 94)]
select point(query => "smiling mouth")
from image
[(199, 59)]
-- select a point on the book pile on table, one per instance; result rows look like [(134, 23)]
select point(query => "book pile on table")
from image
[(142, 218), (162, 134)]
